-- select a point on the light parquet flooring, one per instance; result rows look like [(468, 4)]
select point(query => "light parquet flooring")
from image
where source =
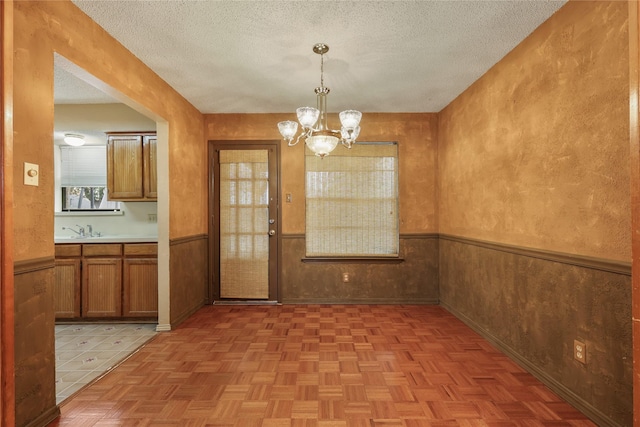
[(319, 366)]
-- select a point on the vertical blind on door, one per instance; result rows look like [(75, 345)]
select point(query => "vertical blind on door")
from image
[(352, 201)]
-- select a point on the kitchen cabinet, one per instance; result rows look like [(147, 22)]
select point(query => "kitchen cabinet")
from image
[(131, 166), (66, 293), (150, 168), (140, 286), (106, 280), (102, 280)]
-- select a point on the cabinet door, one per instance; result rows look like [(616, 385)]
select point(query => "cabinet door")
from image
[(150, 167), (124, 167), (140, 297), (67, 289), (102, 287)]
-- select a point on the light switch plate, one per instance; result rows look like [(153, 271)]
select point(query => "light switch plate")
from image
[(31, 174)]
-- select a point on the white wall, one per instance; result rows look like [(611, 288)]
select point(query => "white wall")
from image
[(136, 219)]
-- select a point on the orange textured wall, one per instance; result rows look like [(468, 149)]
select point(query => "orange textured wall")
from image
[(536, 152), (417, 144), (42, 28)]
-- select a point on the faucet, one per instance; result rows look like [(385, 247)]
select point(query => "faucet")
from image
[(90, 228), (80, 231)]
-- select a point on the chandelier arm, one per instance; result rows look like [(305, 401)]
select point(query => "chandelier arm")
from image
[(302, 134)]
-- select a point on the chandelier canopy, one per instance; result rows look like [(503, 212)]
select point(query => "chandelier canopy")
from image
[(315, 131)]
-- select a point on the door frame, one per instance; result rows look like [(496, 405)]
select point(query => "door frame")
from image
[(7, 327), (213, 286)]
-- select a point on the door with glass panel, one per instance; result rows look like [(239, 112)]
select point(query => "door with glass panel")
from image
[(243, 201)]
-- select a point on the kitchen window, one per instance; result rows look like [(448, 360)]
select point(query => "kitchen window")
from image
[(352, 202), (83, 179)]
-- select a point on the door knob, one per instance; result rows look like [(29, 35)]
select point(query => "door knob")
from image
[(272, 232)]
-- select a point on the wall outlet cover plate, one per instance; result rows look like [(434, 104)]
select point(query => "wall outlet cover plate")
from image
[(31, 174)]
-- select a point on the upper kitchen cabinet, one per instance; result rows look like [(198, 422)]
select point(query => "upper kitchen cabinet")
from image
[(131, 166)]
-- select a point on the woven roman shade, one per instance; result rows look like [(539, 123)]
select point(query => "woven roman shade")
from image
[(352, 202), (244, 224)]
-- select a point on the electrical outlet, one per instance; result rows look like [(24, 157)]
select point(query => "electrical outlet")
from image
[(580, 351), (345, 277)]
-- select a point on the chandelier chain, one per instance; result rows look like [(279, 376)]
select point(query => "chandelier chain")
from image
[(322, 70)]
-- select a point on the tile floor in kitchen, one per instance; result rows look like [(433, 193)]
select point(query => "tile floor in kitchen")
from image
[(86, 351)]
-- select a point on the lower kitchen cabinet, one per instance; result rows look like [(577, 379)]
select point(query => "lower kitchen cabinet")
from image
[(67, 288), (106, 281), (140, 297), (102, 287), (140, 289)]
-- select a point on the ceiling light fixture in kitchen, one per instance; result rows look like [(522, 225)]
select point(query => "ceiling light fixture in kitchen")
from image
[(320, 139), (73, 139)]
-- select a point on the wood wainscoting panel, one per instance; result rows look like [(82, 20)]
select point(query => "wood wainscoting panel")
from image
[(34, 342), (414, 280), (534, 308), (189, 275)]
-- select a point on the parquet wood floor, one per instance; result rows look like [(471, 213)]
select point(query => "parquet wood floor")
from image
[(319, 366)]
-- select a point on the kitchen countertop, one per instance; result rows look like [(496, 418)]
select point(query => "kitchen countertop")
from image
[(106, 239)]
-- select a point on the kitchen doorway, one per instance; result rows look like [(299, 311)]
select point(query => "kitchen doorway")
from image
[(244, 221)]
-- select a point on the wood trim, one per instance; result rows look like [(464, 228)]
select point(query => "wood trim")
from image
[(7, 328), (31, 265), (385, 301), (184, 316), (583, 406), (45, 418), (354, 260), (187, 239), (404, 236), (634, 166), (618, 267)]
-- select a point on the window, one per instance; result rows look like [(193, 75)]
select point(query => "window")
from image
[(352, 202), (83, 179)]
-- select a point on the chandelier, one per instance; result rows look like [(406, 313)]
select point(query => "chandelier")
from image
[(315, 131)]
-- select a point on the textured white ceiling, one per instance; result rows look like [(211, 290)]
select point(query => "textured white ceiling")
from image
[(256, 56)]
